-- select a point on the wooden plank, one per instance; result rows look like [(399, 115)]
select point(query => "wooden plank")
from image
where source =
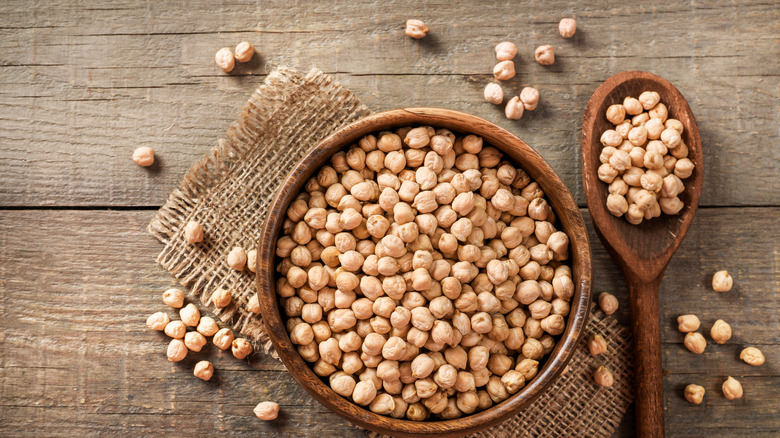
[(76, 357), (83, 85)]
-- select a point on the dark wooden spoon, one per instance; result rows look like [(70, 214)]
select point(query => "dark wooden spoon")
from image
[(641, 251)]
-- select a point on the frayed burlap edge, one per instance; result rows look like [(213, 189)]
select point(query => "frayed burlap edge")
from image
[(229, 191), (575, 406)]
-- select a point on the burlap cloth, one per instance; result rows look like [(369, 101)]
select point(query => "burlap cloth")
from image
[(230, 189)]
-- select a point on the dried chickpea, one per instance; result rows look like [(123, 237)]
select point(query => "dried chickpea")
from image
[(194, 341), (416, 29), (732, 389), (364, 393), (722, 281), (223, 339), (616, 114), (244, 51), (695, 342), (694, 393), (567, 27), (177, 351), (545, 55), (505, 51), (193, 232), (207, 326), (720, 331), (504, 70), (175, 329), (158, 321), (236, 259), (190, 315), (603, 377), (687, 323), (530, 98), (597, 345), (241, 348), (143, 156), (267, 411), (225, 60), (494, 93), (203, 370), (514, 109), (608, 303), (221, 298), (752, 356)]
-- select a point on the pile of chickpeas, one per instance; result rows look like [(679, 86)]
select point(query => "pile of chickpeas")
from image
[(422, 274), (644, 159)]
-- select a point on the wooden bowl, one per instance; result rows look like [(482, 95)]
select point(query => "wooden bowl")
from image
[(562, 202)]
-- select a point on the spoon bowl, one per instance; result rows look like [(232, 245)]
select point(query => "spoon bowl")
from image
[(641, 251)]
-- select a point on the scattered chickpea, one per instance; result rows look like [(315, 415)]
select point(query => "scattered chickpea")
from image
[(505, 51), (545, 55), (514, 109), (241, 348), (225, 60), (158, 321), (207, 326), (416, 29), (203, 370), (223, 339), (251, 260), (173, 298), (221, 298), (175, 329), (194, 341), (177, 351), (732, 388), (504, 70), (752, 356), (688, 323), (695, 342), (244, 51), (608, 303), (190, 315), (236, 259), (267, 410), (143, 156), (720, 331), (722, 281), (494, 93), (694, 393), (567, 27), (530, 98), (597, 345), (193, 232), (603, 377)]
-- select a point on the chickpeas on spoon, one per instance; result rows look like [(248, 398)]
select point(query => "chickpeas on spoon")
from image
[(642, 252)]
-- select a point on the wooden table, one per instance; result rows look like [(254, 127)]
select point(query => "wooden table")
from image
[(86, 82)]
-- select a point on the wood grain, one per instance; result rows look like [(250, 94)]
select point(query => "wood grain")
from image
[(641, 251), (83, 84), (556, 194), (76, 357)]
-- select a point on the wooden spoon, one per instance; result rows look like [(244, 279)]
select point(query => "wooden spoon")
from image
[(641, 251)]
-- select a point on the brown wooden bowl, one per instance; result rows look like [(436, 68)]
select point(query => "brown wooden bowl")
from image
[(562, 202)]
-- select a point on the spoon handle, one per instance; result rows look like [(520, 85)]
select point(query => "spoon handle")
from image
[(647, 357)]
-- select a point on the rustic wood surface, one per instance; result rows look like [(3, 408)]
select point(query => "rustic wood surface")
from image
[(83, 83)]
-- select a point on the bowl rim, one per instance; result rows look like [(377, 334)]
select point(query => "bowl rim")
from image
[(538, 169)]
